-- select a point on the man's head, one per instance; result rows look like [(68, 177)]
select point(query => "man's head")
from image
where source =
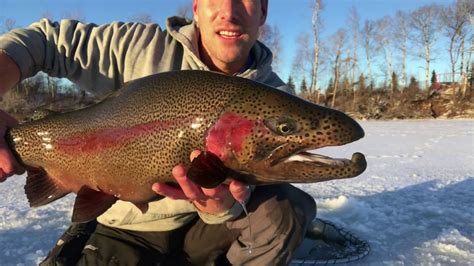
[(229, 29)]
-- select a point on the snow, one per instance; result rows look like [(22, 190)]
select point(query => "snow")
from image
[(414, 203)]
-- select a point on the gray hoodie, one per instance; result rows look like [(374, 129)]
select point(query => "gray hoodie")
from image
[(101, 58)]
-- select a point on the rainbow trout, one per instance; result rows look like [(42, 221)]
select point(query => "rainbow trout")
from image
[(118, 148)]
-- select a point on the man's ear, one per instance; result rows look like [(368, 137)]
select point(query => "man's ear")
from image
[(264, 10), (195, 11)]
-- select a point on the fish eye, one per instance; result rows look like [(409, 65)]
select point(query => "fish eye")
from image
[(281, 125)]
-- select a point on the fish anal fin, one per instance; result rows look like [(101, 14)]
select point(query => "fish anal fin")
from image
[(142, 206), (41, 189), (90, 203), (207, 170)]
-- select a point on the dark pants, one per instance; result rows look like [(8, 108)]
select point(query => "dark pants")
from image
[(279, 217)]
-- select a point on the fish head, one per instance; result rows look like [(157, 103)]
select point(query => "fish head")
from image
[(263, 136)]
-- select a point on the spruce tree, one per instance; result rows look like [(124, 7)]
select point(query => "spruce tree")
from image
[(304, 87), (291, 84)]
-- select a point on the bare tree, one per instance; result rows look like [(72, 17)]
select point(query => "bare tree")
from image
[(354, 25), (368, 38), (271, 36), (302, 60), (338, 41), (8, 25), (424, 23), (185, 11), (317, 26), (144, 18), (455, 20), (47, 15), (384, 41), (74, 15), (400, 32)]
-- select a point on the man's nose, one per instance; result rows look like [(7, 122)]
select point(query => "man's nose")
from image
[(228, 10)]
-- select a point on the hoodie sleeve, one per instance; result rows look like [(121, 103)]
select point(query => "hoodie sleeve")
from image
[(95, 57)]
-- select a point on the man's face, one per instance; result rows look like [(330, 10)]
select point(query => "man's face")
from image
[(229, 28)]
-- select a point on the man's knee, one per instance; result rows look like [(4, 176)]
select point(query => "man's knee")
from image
[(287, 207)]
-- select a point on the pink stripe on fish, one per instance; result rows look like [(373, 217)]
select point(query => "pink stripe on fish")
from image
[(111, 137)]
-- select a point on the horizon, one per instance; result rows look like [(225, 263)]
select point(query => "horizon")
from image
[(335, 15)]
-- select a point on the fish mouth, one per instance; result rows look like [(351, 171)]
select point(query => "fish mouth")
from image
[(307, 167), (322, 160)]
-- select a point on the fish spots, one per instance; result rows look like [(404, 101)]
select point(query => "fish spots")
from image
[(228, 134)]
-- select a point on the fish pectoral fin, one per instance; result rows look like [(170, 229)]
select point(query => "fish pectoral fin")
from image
[(142, 206), (90, 203), (41, 189), (207, 170)]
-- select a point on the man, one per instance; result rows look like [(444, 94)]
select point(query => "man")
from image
[(201, 226)]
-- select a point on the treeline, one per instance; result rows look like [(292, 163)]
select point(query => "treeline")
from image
[(367, 62), (362, 69)]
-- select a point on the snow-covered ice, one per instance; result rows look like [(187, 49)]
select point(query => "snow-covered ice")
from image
[(414, 203)]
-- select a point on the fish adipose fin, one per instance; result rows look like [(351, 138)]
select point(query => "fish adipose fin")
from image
[(207, 170), (90, 204), (40, 188)]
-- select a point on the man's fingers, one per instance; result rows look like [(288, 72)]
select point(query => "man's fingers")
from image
[(240, 191), (3, 176), (8, 164), (191, 190), (168, 191), (216, 193)]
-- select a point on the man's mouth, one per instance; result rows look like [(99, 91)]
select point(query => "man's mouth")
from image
[(229, 34)]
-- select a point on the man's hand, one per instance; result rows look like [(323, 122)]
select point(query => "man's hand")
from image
[(8, 164), (213, 201)]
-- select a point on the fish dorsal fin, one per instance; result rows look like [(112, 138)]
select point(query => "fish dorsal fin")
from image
[(207, 170), (41, 189), (90, 204), (40, 114)]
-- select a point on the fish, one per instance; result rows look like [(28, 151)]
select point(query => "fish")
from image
[(118, 148)]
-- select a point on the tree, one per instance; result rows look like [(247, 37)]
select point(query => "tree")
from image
[(424, 23), (184, 11), (8, 25), (303, 57), (144, 18), (368, 38), (317, 26), (354, 25), (361, 83), (271, 36), (291, 84), (434, 78), (74, 15), (455, 20), (401, 39), (394, 83), (338, 40), (304, 87), (384, 41)]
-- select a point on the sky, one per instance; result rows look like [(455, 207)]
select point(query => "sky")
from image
[(292, 17)]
